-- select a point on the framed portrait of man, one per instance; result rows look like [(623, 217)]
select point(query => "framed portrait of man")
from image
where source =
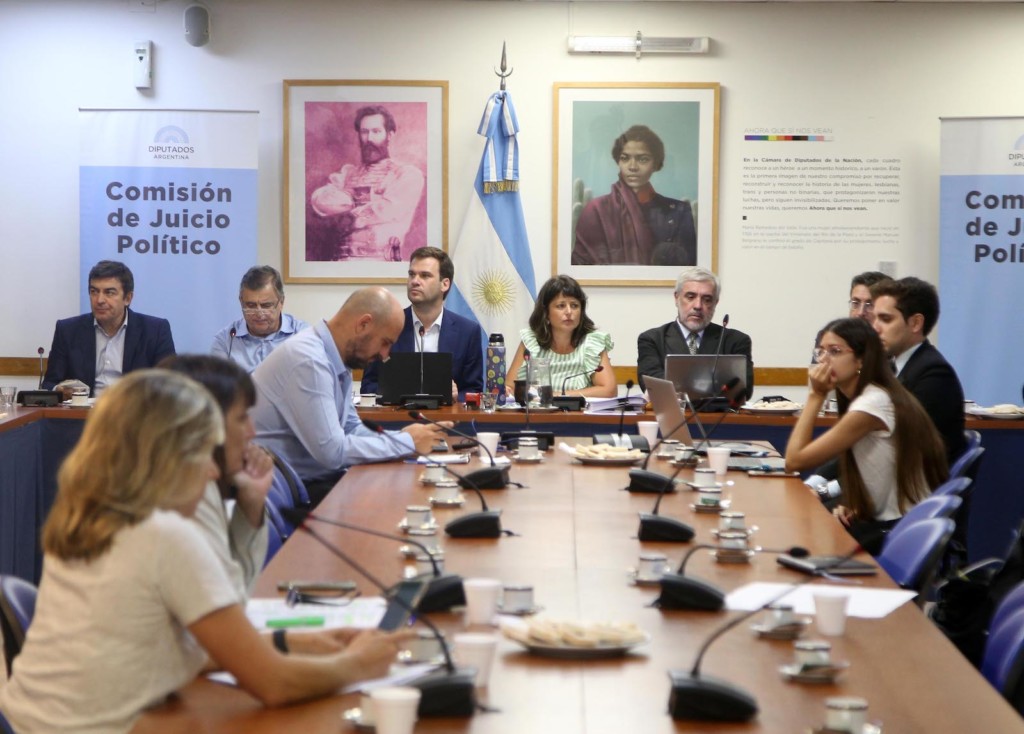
[(635, 181), (365, 179)]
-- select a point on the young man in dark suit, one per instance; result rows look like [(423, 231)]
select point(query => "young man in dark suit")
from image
[(431, 273), (98, 347), (696, 296), (905, 313)]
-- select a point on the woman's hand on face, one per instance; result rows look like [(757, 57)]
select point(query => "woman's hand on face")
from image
[(821, 379)]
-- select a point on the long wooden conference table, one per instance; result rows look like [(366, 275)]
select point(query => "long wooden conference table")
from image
[(575, 538)]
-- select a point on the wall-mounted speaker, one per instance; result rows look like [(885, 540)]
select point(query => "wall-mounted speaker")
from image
[(197, 25)]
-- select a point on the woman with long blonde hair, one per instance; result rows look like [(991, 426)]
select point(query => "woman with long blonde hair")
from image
[(132, 597)]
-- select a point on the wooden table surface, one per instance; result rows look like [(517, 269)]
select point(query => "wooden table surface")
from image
[(576, 538)]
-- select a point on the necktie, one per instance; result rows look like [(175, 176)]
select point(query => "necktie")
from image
[(691, 342), (892, 365)]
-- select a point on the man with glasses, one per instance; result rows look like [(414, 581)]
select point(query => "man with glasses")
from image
[(861, 304), (696, 296), (905, 312), (263, 326)]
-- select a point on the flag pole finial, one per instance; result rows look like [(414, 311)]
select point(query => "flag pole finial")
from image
[(505, 71)]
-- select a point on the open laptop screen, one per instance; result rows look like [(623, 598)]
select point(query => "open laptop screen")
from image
[(691, 373), (400, 375)]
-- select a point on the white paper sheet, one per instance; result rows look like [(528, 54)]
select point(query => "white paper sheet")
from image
[(865, 603)]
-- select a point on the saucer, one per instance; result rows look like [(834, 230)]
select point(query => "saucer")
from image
[(800, 673), (424, 480), (711, 509), (868, 728), (429, 529), (750, 530), (789, 631), (698, 487), (354, 717), (538, 459), (447, 503), (733, 555), (520, 612), (643, 580)]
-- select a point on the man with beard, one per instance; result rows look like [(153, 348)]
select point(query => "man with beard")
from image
[(430, 327), (304, 413), (374, 202)]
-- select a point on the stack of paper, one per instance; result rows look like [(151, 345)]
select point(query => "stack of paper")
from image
[(633, 403)]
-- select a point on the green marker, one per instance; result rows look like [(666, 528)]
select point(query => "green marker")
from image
[(296, 622)]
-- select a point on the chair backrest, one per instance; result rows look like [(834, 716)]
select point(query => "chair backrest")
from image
[(912, 556), (972, 437), (1003, 662), (956, 485), (1010, 604), (275, 538), (278, 498), (300, 497), (17, 607), (941, 506), (968, 463)]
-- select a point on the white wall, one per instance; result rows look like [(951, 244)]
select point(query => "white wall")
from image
[(880, 74)]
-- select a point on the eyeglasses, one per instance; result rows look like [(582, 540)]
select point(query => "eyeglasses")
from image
[(295, 596), (250, 307), (856, 305), (821, 352)]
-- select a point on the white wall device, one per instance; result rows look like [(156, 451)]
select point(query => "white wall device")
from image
[(142, 64)]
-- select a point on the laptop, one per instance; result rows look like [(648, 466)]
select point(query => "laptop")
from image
[(691, 373), (668, 412), (400, 375)]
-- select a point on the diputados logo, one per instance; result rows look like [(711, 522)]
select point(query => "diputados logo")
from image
[(171, 143), (1016, 156)]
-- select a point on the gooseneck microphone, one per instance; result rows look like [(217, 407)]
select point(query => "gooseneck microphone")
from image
[(694, 697), (492, 477), (574, 402), (444, 590), (446, 691), (679, 591), (40, 352), (586, 373), (729, 392), (622, 410), (661, 529), (718, 349), (545, 439), (231, 340), (642, 480), (483, 524), (422, 344)]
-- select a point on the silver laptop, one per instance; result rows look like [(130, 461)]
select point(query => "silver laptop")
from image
[(668, 411), (692, 373)]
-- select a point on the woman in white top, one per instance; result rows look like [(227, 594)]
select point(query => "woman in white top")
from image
[(561, 332), (890, 455), (132, 593)]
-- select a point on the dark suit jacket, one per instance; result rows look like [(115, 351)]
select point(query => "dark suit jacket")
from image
[(934, 383), (654, 344), (459, 335), (147, 340)]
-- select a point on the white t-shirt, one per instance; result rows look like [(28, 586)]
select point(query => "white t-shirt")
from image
[(241, 548), (875, 453), (109, 636)]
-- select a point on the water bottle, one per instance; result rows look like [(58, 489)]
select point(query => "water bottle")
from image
[(494, 368)]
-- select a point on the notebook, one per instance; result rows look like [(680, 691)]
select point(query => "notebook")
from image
[(691, 373), (400, 375), (668, 411)]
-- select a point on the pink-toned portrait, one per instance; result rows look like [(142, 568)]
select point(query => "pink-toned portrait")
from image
[(365, 180)]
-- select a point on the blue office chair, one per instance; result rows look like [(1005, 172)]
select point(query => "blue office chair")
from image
[(1010, 604), (935, 506), (957, 486), (913, 555), (973, 438), (1003, 662), (275, 539), (286, 491), (17, 607), (5, 726), (968, 463)]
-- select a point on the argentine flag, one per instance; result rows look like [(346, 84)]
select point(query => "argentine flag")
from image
[(494, 280)]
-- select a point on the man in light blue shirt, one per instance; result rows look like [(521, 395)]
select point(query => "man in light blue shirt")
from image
[(305, 413), (263, 326)]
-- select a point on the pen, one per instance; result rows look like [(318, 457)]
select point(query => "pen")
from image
[(296, 622)]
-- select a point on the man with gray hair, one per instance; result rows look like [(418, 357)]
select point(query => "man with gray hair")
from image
[(696, 296), (263, 325)]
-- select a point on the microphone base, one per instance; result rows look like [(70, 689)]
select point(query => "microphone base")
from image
[(569, 402), (39, 398), (661, 529), (697, 698), (649, 482), (492, 477), (545, 439), (484, 524), (684, 592), (421, 402), (446, 694), (717, 404), (443, 592)]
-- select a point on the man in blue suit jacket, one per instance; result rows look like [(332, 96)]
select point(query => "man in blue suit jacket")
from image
[(98, 347), (428, 326)]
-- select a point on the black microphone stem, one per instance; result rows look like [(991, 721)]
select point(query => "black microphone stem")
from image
[(40, 353), (231, 341), (422, 345), (379, 534), (718, 349), (665, 487), (418, 416), (625, 404)]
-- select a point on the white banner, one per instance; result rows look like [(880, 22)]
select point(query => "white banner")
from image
[(982, 255), (173, 195)]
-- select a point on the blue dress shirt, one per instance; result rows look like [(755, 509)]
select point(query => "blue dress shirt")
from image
[(249, 350), (304, 410)]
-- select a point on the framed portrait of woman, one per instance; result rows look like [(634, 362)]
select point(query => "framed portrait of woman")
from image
[(635, 181)]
